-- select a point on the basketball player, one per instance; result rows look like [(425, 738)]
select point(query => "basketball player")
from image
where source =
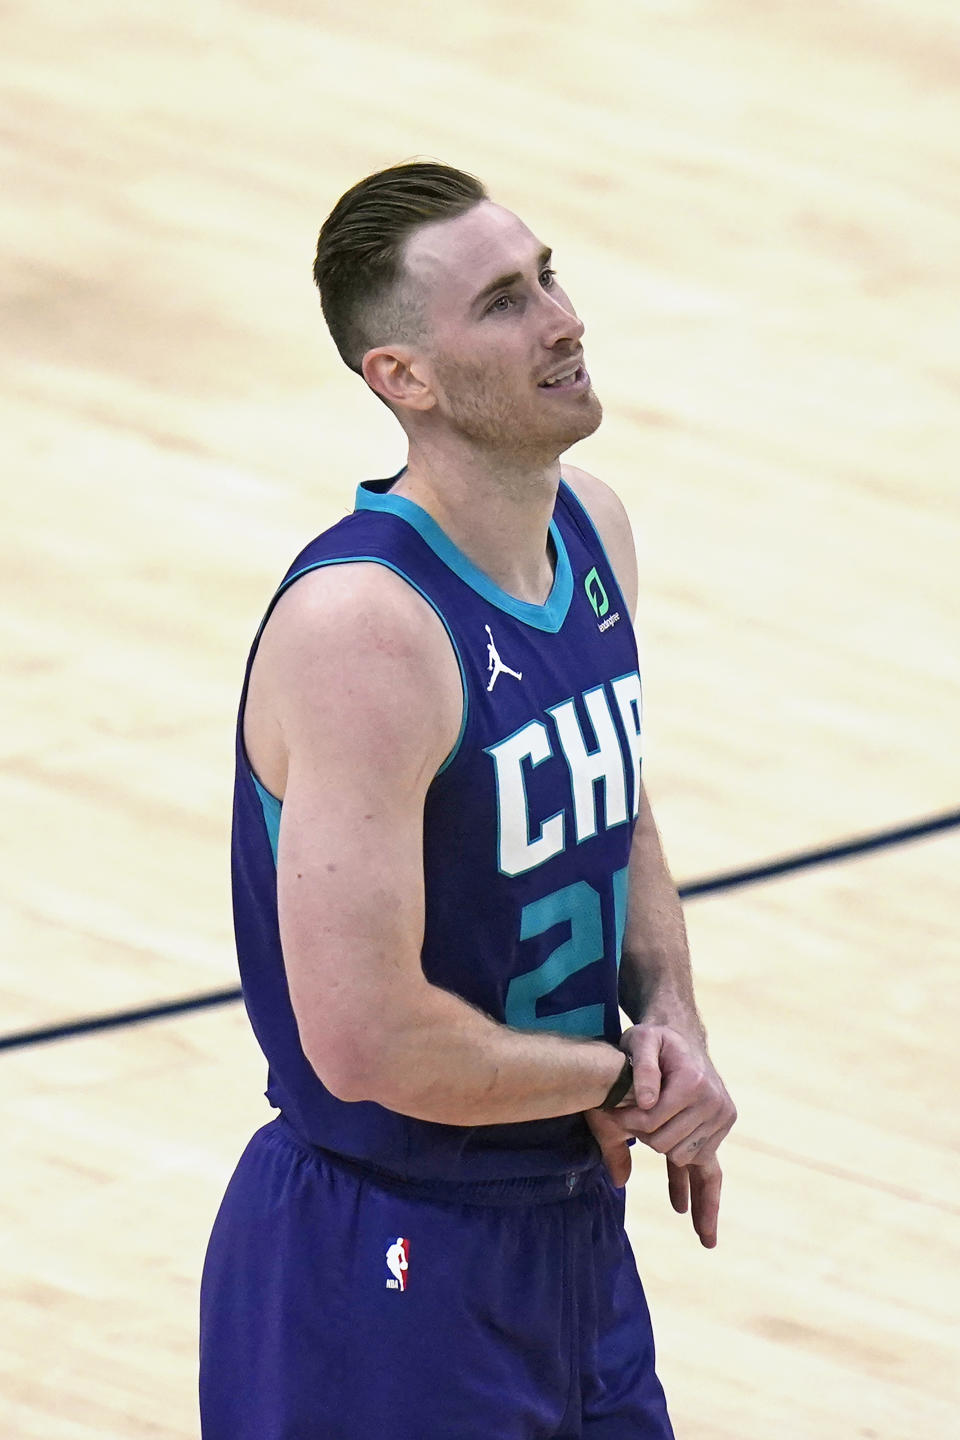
[(446, 876)]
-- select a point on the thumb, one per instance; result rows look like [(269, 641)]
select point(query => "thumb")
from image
[(645, 1046)]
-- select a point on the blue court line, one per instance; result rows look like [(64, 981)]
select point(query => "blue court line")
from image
[(805, 860), (119, 1017)]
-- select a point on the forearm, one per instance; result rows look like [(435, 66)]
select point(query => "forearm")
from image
[(656, 984), (445, 1061)]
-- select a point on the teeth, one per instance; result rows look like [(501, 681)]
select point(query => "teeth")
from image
[(561, 379)]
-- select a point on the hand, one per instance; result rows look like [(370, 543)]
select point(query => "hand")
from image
[(680, 1106), (696, 1185)]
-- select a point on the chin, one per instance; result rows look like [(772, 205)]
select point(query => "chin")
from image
[(585, 423)]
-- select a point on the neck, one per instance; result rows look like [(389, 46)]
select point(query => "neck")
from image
[(496, 508)]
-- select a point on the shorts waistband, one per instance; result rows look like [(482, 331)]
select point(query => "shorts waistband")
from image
[(515, 1190)]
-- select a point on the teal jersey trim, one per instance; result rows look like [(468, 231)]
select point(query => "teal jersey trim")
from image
[(270, 804), (574, 499), (271, 807), (548, 617), (388, 565)]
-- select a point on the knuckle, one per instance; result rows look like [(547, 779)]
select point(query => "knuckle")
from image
[(686, 1152)]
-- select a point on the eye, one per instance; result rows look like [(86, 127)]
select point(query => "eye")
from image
[(547, 278), (502, 303)]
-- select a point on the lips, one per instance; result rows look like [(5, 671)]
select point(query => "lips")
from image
[(573, 377)]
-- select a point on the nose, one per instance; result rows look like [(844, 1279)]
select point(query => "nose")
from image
[(561, 322)]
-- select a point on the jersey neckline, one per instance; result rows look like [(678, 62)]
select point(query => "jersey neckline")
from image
[(375, 495)]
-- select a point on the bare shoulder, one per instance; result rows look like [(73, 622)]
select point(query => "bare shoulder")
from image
[(353, 663), (608, 514)]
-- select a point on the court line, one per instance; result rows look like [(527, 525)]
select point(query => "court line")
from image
[(118, 1018), (804, 860), (826, 855), (843, 1172)]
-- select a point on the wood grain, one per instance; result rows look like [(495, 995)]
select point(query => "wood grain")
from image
[(757, 212)]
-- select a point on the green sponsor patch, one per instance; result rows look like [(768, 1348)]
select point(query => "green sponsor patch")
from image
[(596, 594)]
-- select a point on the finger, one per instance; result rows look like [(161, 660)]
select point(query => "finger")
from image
[(617, 1124), (613, 1145), (705, 1184), (702, 1145), (619, 1163), (685, 1142), (645, 1053), (603, 1125), (674, 1100), (678, 1184), (678, 1076), (688, 1100), (698, 1147), (679, 1082), (700, 1120)]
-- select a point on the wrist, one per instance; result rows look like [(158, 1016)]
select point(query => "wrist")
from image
[(666, 1007), (621, 1086)]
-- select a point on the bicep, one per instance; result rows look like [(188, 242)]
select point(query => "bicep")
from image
[(350, 900)]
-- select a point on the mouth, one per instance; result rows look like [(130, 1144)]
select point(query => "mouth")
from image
[(567, 382)]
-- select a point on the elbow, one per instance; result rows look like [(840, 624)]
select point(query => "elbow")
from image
[(357, 1059), (345, 1068), (333, 1079), (347, 1085)]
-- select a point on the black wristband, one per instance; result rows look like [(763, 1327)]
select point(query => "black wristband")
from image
[(620, 1086)]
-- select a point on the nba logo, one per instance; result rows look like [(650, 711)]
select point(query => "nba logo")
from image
[(398, 1263)]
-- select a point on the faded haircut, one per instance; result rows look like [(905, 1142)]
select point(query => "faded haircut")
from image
[(359, 263)]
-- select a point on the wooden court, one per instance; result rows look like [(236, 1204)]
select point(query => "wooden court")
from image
[(756, 209)]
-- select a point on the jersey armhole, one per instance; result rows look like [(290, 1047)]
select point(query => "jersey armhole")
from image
[(581, 519), (271, 803)]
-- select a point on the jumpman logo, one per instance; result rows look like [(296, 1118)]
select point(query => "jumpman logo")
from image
[(398, 1263), (495, 664)]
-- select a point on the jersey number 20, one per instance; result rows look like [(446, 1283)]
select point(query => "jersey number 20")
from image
[(580, 906)]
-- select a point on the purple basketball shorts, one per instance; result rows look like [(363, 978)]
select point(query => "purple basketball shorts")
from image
[(339, 1305)]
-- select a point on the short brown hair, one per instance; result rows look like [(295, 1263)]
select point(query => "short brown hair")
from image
[(359, 261)]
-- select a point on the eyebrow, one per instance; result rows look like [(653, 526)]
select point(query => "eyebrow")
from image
[(503, 282)]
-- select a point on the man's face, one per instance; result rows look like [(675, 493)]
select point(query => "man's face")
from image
[(498, 328)]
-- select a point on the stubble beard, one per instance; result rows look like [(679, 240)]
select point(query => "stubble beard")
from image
[(493, 419)]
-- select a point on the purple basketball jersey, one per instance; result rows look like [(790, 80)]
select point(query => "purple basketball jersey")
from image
[(527, 832)]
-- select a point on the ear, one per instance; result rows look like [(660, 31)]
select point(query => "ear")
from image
[(398, 377)]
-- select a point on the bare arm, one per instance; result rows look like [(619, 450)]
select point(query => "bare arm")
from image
[(656, 984), (682, 1108), (680, 1105), (363, 692)]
